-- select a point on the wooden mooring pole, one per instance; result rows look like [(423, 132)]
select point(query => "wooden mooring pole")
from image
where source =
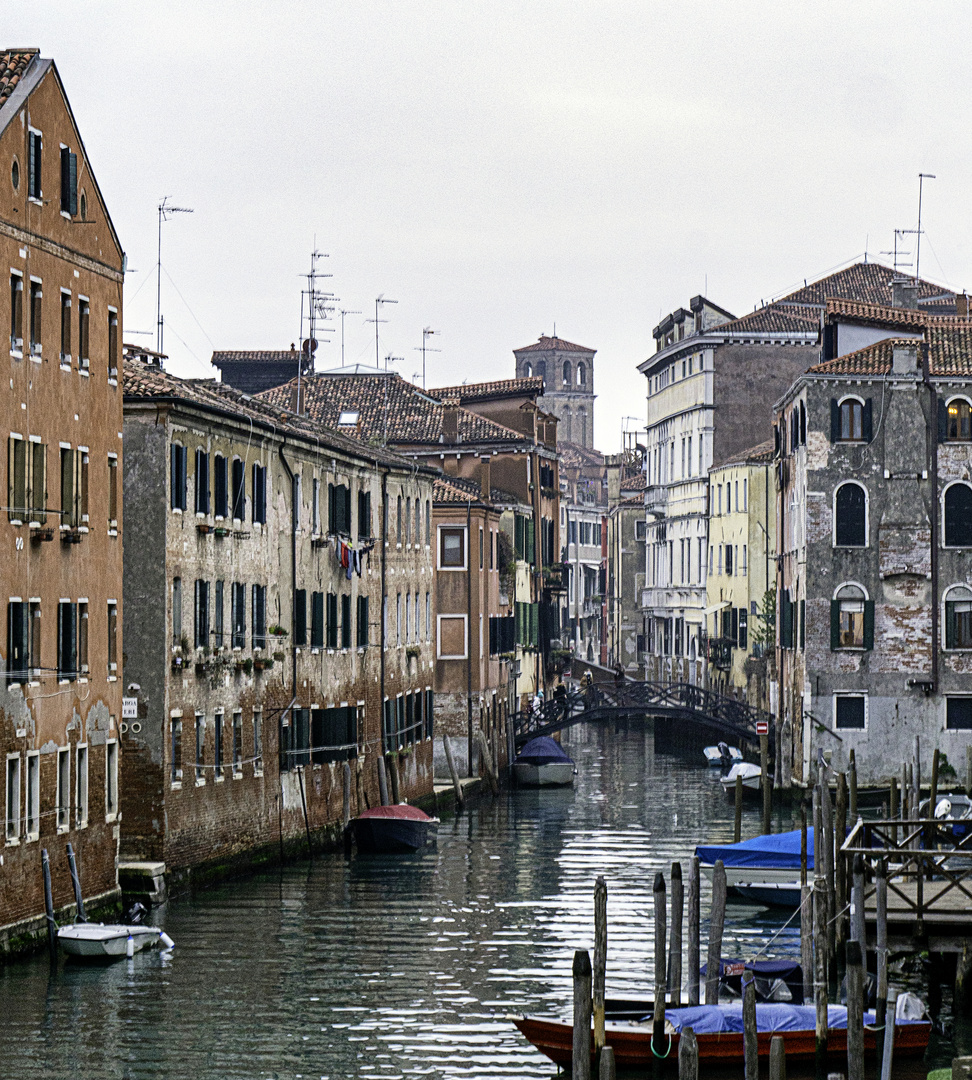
[(806, 911), (933, 794), (600, 961), (777, 1059), (451, 762), (737, 825), (881, 948), (717, 920), (840, 865), (767, 782), (888, 1055), (688, 1055), (49, 906), (694, 950), (857, 902), (750, 1041), (852, 782), (487, 757), (382, 781), (581, 1058), (607, 1070), (675, 938), (855, 1011), (396, 791), (819, 943), (661, 974)]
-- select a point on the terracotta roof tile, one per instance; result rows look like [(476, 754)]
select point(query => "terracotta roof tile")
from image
[(756, 455), (550, 344), (773, 319), (949, 352), (249, 356), (868, 282), (13, 65), (457, 489), (575, 456), (950, 348), (411, 415), (499, 388), (871, 360)]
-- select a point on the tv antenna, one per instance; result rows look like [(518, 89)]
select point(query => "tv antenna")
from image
[(427, 332), (318, 307), (922, 177), (896, 255), (343, 313), (379, 300), (165, 212)]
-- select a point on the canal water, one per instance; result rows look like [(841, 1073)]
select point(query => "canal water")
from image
[(387, 967)]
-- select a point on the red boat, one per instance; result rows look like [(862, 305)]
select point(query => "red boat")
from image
[(631, 1042), (389, 829)]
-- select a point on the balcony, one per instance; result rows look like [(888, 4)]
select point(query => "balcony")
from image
[(656, 499)]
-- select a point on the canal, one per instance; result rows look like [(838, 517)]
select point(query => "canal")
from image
[(397, 967)]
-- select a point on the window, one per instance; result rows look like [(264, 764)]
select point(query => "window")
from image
[(317, 620), (238, 615), (178, 457), (36, 298), (398, 619), (339, 509), (851, 619), (259, 612), (18, 643), (364, 514), (218, 745), (218, 615), (566, 374), (67, 641), (201, 615), (220, 501), (332, 621), (850, 420), (113, 491), (958, 427), (428, 616), (345, 621), (334, 733), (850, 516), (81, 786), (257, 742), (35, 145), (408, 521), (452, 548), (64, 789), (742, 567), (16, 313), (112, 637), (237, 743), (743, 625), (111, 779), (316, 507), (13, 797), (348, 418), (200, 748), (958, 617), (408, 617), (958, 515), (84, 310), (452, 642), (418, 523), (398, 533), (15, 174), (82, 637), (502, 634), (581, 375), (202, 482), (958, 717), (177, 612), (65, 328), (32, 796), (362, 638), (239, 490), (850, 711), (745, 504), (260, 494), (175, 762), (300, 616), (112, 343), (728, 560), (17, 473), (428, 522)]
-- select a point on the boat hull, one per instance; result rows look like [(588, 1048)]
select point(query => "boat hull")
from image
[(94, 941), (758, 875), (782, 894), (553, 774), (393, 835), (632, 1043)]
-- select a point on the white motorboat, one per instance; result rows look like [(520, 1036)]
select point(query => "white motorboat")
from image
[(768, 863), (751, 776), (722, 755), (542, 763), (109, 940)]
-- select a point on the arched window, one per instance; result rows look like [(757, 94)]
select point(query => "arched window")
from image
[(398, 531), (408, 523), (567, 373), (850, 420), (958, 515), (958, 617), (580, 426), (581, 375), (850, 516), (542, 371), (803, 424), (529, 369), (958, 421), (851, 619)]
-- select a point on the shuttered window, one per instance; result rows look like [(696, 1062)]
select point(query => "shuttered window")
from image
[(850, 516), (220, 496), (178, 459), (300, 617), (317, 620), (17, 479), (67, 641), (16, 312), (35, 144), (18, 642), (69, 181), (259, 494), (958, 516), (362, 638), (339, 509), (239, 490), (332, 621), (202, 482)]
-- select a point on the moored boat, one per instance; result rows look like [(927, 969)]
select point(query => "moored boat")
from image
[(722, 755), (762, 859), (543, 763), (719, 1034), (751, 776), (99, 941), (392, 829)]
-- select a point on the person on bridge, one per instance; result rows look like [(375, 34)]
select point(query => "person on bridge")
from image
[(619, 678), (560, 697)]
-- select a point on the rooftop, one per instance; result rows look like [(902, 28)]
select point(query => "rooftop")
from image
[(553, 344), (458, 489), (761, 454), (13, 65), (500, 388), (949, 345)]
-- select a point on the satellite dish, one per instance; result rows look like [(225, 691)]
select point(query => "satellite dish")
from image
[(309, 346)]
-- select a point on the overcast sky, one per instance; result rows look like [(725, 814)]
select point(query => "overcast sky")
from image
[(500, 167)]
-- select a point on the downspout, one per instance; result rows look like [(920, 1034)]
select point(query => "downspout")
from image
[(384, 607), (469, 711), (293, 562), (933, 477)]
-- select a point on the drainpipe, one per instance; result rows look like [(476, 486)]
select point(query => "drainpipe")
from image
[(293, 562), (469, 708), (933, 477), (384, 605)]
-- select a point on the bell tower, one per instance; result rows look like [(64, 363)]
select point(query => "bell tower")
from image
[(567, 371)]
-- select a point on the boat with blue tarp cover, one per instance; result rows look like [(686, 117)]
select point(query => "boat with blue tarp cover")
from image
[(760, 861), (543, 763)]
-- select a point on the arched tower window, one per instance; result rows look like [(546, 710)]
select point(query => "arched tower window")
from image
[(567, 374), (542, 372), (581, 374), (529, 369), (850, 516)]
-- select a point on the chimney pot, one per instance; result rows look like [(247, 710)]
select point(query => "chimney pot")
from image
[(904, 360), (904, 293), (485, 487), (450, 420)]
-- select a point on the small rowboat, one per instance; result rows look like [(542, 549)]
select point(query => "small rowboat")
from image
[(751, 775), (719, 1033), (100, 941), (392, 829), (543, 763)]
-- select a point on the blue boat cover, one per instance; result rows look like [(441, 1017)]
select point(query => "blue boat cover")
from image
[(713, 1019), (780, 851), (542, 751)]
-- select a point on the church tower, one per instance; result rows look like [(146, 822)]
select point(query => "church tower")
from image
[(568, 385)]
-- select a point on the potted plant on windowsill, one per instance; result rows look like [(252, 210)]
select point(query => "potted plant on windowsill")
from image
[(277, 631), (279, 656)]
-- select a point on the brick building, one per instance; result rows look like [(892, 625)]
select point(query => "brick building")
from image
[(60, 700), (279, 582), (874, 520)]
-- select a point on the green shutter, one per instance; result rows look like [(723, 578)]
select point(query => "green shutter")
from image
[(530, 542), (834, 625), (949, 626), (868, 624), (786, 621), (535, 624), (803, 624)]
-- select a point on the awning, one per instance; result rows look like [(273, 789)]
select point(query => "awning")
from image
[(717, 607)]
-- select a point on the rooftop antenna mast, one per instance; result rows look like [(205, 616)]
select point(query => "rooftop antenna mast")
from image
[(379, 300), (343, 313), (427, 332), (922, 177), (165, 212), (318, 306), (897, 264)]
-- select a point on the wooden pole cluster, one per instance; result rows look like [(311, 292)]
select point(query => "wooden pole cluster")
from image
[(717, 920), (693, 952), (675, 940), (661, 971), (581, 1056), (600, 962)]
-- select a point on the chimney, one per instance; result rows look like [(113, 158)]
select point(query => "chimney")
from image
[(904, 293), (450, 420), (485, 488), (962, 305), (296, 397), (904, 360)]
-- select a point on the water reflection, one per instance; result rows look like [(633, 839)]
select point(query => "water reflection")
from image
[(395, 967)]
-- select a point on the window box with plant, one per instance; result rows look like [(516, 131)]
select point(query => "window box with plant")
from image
[(277, 631)]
